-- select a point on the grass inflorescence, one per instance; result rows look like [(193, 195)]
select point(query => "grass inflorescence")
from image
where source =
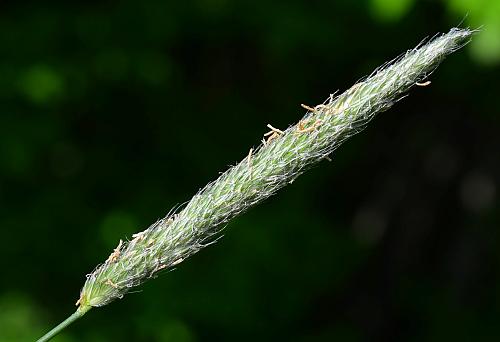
[(281, 157)]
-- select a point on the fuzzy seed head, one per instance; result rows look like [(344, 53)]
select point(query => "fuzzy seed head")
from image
[(282, 157)]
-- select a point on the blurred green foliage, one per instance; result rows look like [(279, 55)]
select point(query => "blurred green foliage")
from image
[(391, 10), (484, 14), (111, 113)]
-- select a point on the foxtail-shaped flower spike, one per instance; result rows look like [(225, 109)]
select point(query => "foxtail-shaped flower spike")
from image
[(282, 156)]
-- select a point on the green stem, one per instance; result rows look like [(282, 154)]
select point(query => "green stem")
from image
[(61, 326)]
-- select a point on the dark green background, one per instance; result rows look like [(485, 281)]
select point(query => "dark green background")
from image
[(113, 112)]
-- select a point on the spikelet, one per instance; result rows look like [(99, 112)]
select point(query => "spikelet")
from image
[(282, 157)]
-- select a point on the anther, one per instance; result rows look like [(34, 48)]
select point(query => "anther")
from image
[(110, 283), (116, 253), (80, 300), (424, 84), (307, 107), (273, 136), (279, 131), (302, 129), (177, 262)]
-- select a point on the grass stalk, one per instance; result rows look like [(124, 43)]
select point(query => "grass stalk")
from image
[(282, 156), (64, 324)]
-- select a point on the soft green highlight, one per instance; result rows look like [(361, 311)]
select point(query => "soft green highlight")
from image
[(485, 14), (390, 10)]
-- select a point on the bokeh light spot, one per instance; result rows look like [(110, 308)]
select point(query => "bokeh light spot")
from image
[(175, 331), (41, 84), (19, 318), (483, 14), (477, 192), (390, 10), (153, 68), (485, 48)]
